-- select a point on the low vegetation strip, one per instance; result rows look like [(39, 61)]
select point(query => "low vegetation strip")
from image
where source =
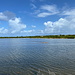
[(47, 36)]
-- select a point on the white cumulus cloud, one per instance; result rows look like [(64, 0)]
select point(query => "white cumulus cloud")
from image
[(63, 25), (16, 25), (3, 17), (3, 30), (6, 15), (27, 31)]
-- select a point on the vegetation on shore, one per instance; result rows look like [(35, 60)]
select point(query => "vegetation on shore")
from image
[(47, 36)]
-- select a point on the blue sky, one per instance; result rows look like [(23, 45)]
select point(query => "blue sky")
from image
[(37, 17)]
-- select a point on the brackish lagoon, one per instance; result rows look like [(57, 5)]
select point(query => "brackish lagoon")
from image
[(20, 56)]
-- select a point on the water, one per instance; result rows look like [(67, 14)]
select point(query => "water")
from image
[(37, 56)]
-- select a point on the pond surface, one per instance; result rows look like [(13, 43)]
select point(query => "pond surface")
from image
[(37, 56)]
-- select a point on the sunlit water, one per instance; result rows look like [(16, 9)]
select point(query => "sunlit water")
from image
[(37, 56)]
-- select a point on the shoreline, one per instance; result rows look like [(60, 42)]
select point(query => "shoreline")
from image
[(44, 37), (32, 38)]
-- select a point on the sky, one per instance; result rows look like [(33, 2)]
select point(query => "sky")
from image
[(37, 17)]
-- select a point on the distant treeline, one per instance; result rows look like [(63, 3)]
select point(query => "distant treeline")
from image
[(47, 36)]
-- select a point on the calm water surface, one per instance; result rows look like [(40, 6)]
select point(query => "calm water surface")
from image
[(37, 56)]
